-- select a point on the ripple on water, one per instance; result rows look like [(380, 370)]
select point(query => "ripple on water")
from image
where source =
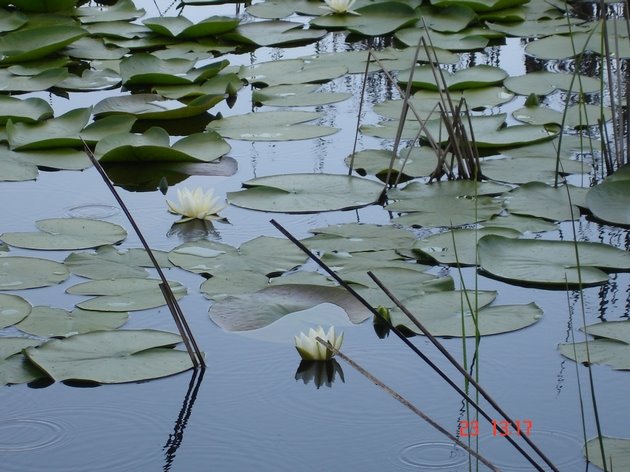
[(27, 434), (95, 211), (434, 455)]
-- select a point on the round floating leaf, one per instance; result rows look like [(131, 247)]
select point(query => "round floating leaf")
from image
[(67, 233), (548, 263), (62, 131), (35, 43), (610, 201), (144, 68), (616, 451), (233, 282), (271, 126), (122, 10), (356, 237), (458, 246), (154, 146), (111, 356), (42, 81), (462, 41), (273, 33), (61, 158), (124, 294), (95, 48), (263, 255), (106, 263), (273, 9), (256, 310), (538, 28), (543, 201), (471, 77), (13, 345), (55, 322), (28, 110), (480, 5), (449, 19), (181, 27), (17, 272), (14, 169), (545, 82), (90, 80), (527, 169), (44, 6), (291, 72), (299, 95), (13, 309), (376, 19), (417, 161), (150, 106), (519, 223), (12, 20), (564, 47), (306, 193)]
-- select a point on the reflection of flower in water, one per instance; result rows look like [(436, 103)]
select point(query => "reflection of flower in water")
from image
[(312, 350), (321, 373), (196, 204), (193, 230), (340, 6)]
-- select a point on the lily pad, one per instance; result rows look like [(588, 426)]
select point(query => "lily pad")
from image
[(522, 170), (461, 41), (182, 27), (13, 309), (564, 47), (10, 345), (356, 237), (14, 169), (29, 110), (54, 322), (41, 81), (263, 255), (67, 233), (150, 106), (62, 131), (273, 33), (18, 273), (549, 263), (90, 80), (109, 263), (124, 294), (28, 161), (299, 95), (14, 368), (412, 162), (480, 5), (306, 193), (233, 282), (376, 19), (544, 201), (256, 310), (291, 72), (610, 201), (471, 77), (458, 246), (546, 82), (122, 10), (154, 146), (36, 43), (616, 450), (611, 345), (111, 356)]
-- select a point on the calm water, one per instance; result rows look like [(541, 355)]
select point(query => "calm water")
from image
[(252, 410)]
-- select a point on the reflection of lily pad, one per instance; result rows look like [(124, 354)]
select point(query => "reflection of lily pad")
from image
[(306, 193), (548, 263), (255, 310), (55, 322), (111, 356), (17, 272), (67, 233)]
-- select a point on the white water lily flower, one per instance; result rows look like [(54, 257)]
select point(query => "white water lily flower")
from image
[(312, 350), (340, 6), (196, 204)]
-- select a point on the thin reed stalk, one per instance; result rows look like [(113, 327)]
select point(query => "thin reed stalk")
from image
[(196, 356)]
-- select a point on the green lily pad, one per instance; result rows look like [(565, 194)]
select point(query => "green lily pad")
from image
[(36, 43), (271, 126), (54, 322), (376, 19), (13, 20), (109, 263), (543, 201), (150, 106), (233, 282), (217, 85), (44, 6), (124, 294), (360, 262), (29, 110), (111, 356), (306, 193), (103, 127), (41, 81), (527, 169), (462, 41), (298, 95), (564, 47), (154, 146), (546, 82), (449, 19), (355, 237), (458, 246), (182, 27), (273, 33), (610, 201), (13, 309), (537, 28), (28, 161), (18, 273), (275, 9), (95, 49), (14, 169), (412, 162), (575, 116), (11, 345), (471, 77), (14, 368), (67, 233), (90, 80), (255, 310), (441, 314), (122, 10), (147, 69), (263, 255), (520, 223), (616, 450), (611, 345), (291, 72), (62, 131), (480, 5), (548, 263)]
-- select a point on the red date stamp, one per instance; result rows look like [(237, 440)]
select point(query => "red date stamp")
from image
[(500, 428)]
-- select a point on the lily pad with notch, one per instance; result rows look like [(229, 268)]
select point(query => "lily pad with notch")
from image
[(19, 272), (150, 106), (51, 322), (273, 33), (13, 309)]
